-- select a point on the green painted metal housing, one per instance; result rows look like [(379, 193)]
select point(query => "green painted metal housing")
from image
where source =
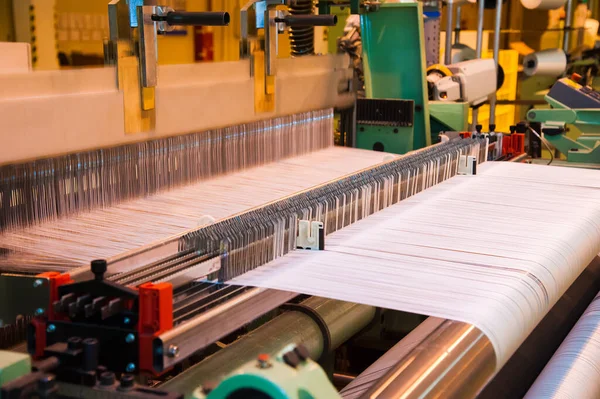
[(13, 365), (393, 40), (583, 149), (447, 117), (275, 378)]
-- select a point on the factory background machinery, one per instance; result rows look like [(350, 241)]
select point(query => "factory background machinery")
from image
[(112, 286)]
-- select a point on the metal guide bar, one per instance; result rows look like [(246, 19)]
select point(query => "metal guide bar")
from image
[(197, 333)]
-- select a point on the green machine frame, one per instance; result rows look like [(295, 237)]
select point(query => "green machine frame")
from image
[(586, 148), (275, 378), (393, 40)]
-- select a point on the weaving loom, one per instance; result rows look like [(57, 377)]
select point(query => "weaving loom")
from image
[(149, 231)]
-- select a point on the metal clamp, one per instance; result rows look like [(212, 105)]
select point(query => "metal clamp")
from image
[(467, 165), (137, 68)]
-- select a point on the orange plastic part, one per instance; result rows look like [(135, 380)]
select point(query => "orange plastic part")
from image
[(513, 145), (55, 279), (155, 317)]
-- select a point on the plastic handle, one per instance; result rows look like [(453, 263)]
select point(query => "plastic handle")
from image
[(176, 18)]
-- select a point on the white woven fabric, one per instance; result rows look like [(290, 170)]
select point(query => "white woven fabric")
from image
[(496, 250)]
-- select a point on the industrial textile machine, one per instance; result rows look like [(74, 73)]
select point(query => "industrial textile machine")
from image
[(159, 319)]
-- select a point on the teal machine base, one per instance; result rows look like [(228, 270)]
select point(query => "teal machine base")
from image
[(376, 132), (289, 375), (394, 62), (578, 106), (447, 117), (13, 365)]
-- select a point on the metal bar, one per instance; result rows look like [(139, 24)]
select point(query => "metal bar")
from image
[(147, 46), (201, 306), (497, 24), (457, 25), (480, 17), (206, 328), (271, 42), (567, 27), (343, 319), (478, 50), (448, 45), (125, 278), (455, 361)]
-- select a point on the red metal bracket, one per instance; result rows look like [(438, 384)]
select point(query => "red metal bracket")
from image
[(155, 317), (55, 279)]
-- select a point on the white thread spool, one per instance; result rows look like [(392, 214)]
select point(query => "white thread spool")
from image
[(551, 63)]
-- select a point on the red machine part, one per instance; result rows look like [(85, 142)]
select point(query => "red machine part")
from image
[(39, 326), (55, 280), (513, 144), (155, 317)]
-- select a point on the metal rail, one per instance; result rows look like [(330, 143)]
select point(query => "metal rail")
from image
[(197, 333)]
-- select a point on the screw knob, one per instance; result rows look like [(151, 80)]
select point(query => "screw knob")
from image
[(99, 267), (74, 343), (107, 378), (127, 381)]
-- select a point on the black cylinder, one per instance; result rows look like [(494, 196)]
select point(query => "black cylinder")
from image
[(310, 20), (302, 38), (74, 343), (99, 267), (220, 18), (90, 354)]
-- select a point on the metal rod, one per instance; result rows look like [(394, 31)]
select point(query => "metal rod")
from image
[(343, 379), (478, 50), (206, 328), (497, 24), (567, 27), (448, 48), (308, 20), (455, 361), (458, 25), (343, 319), (480, 17)]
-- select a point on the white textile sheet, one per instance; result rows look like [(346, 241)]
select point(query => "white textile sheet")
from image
[(496, 250)]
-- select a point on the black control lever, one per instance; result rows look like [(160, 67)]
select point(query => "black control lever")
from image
[(179, 18), (308, 20)]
